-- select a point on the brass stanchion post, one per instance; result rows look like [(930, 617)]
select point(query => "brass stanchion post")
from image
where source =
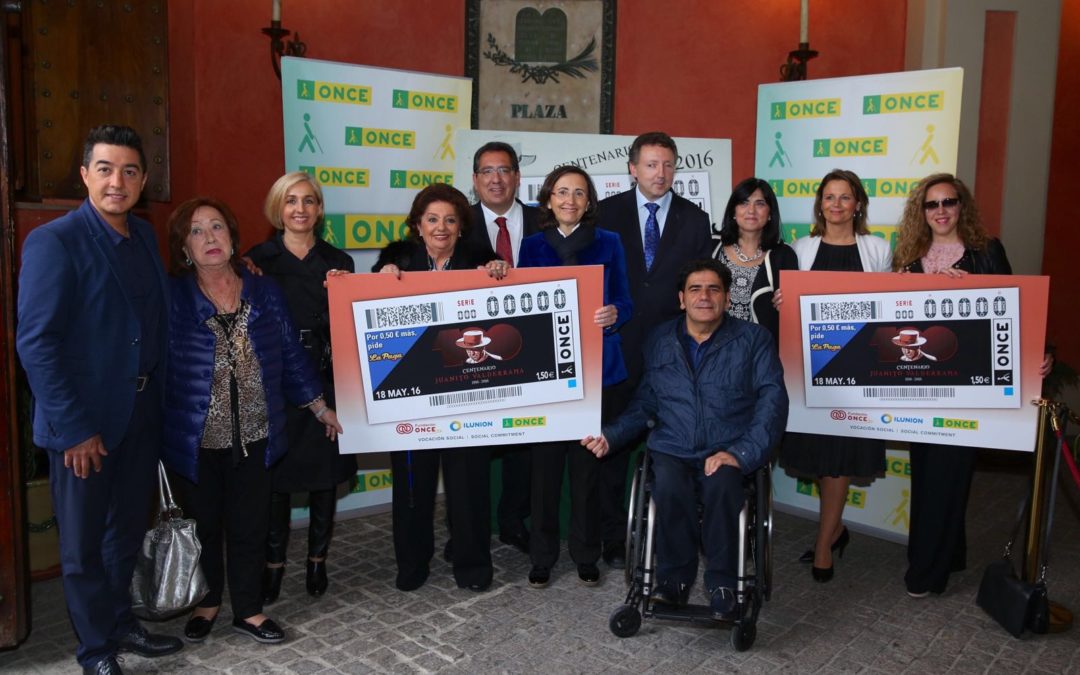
[(1061, 617)]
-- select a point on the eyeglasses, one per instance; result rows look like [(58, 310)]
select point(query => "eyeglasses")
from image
[(947, 203), (489, 171)]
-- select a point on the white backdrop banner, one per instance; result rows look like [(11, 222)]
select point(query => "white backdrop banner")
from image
[(703, 169), (373, 137), (891, 130)]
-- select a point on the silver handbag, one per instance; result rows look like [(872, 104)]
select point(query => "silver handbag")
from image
[(167, 579)]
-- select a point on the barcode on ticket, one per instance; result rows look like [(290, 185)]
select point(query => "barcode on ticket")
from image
[(909, 393), (404, 315), (460, 397), (849, 310)]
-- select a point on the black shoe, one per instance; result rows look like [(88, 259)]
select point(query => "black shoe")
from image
[(519, 540), (838, 547), (106, 666), (140, 642), (198, 627), (271, 583), (671, 593), (266, 632), (615, 556), (411, 582), (539, 576), (588, 574), (316, 577), (723, 604), (822, 574), (478, 586)]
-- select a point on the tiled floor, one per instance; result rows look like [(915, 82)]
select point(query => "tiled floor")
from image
[(862, 622)]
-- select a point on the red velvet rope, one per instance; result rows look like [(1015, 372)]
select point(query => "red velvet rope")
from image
[(1069, 458)]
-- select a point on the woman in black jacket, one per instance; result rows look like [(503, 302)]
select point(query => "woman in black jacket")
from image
[(941, 233), (751, 247), (439, 222), (298, 258)]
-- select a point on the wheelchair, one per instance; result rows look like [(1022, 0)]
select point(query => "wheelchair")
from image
[(754, 583)]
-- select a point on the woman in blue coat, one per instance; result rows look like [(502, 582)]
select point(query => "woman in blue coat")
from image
[(569, 236), (234, 359)]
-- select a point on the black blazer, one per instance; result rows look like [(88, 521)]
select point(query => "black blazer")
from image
[(478, 235), (410, 256), (687, 235)]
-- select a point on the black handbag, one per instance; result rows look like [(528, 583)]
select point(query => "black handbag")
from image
[(1017, 605)]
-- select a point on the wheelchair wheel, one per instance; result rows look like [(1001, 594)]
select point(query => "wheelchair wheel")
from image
[(743, 634), (764, 530), (636, 522), (625, 621)]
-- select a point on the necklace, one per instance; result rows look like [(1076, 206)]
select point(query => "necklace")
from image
[(221, 307), (745, 258)]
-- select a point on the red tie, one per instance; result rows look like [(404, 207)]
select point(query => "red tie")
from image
[(502, 242)]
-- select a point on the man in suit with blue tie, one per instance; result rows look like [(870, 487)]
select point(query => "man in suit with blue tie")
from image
[(92, 337), (660, 232), (499, 224)]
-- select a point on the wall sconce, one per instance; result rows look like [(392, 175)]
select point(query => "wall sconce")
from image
[(278, 46), (795, 68)]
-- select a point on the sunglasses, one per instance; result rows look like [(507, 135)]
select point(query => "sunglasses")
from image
[(947, 203)]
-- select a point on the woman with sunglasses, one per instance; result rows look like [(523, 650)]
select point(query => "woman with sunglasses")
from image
[(941, 233)]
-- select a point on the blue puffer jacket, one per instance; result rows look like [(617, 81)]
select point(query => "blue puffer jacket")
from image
[(735, 402), (286, 369)]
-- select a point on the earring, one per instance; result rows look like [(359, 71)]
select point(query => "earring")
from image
[(187, 262)]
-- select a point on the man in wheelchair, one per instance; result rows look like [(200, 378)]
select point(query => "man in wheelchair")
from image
[(713, 389)]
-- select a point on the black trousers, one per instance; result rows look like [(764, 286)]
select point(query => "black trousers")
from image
[(231, 508), (515, 499), (614, 469), (101, 520), (940, 486), (321, 507), (548, 462), (467, 481), (678, 486)]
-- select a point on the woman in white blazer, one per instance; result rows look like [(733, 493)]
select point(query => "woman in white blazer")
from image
[(839, 241)]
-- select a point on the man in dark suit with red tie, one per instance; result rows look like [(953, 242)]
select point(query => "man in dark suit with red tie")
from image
[(660, 232), (500, 222)]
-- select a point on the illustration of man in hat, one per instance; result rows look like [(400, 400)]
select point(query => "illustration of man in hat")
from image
[(473, 342), (910, 342)]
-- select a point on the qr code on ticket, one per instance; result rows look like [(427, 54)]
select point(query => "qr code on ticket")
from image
[(848, 310), (403, 315)]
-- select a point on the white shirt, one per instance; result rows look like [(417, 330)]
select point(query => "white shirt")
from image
[(661, 214), (514, 224)]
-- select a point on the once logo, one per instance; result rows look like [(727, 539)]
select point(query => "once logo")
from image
[(404, 428), (838, 415), (947, 423)]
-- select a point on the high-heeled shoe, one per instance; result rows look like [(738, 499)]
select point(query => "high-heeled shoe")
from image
[(837, 547)]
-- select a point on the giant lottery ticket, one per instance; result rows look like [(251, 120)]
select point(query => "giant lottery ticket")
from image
[(456, 358), (958, 348), (914, 357), (469, 351)]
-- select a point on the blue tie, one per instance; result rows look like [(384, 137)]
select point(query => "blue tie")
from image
[(652, 235)]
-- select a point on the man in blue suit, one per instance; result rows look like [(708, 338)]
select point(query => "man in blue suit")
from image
[(660, 232), (92, 337)]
